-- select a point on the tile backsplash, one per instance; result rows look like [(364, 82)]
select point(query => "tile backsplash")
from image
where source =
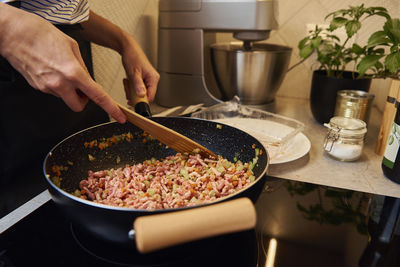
[(139, 17)]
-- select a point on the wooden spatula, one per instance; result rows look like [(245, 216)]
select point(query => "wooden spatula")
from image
[(169, 137)]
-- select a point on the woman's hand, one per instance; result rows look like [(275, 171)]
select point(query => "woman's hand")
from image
[(50, 60), (139, 70)]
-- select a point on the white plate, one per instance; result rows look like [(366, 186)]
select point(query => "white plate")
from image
[(299, 147), (270, 133)]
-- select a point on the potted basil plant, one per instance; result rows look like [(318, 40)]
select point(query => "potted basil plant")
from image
[(342, 66)]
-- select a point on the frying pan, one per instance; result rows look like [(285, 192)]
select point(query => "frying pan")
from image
[(114, 224)]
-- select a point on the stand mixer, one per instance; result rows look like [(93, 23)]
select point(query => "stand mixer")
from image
[(187, 33)]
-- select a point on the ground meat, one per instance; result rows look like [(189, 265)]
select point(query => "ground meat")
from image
[(177, 181)]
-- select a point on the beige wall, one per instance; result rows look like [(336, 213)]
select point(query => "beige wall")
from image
[(139, 17), (293, 17)]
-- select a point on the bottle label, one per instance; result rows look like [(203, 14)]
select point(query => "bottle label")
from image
[(392, 147)]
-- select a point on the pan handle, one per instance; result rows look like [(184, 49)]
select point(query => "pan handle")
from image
[(172, 228)]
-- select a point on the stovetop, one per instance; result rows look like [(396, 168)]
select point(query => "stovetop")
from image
[(299, 224), (46, 238)]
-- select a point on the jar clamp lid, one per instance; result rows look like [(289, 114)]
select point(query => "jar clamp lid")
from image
[(343, 127), (347, 126)]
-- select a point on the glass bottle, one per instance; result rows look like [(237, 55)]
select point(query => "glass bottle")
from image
[(391, 159)]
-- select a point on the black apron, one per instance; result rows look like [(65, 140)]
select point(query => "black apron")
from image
[(32, 122)]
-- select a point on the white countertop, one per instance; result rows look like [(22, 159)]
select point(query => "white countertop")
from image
[(316, 167), (364, 175)]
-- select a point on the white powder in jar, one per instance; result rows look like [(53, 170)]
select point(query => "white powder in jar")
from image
[(346, 151)]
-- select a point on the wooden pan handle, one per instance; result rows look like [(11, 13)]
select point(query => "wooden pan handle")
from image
[(163, 230)]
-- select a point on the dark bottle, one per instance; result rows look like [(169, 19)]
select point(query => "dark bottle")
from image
[(391, 158)]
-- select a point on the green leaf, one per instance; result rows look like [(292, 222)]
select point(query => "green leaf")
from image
[(333, 37), (347, 59), (336, 13), (337, 23), (302, 42), (326, 48), (392, 62), (378, 38), (392, 29), (383, 14), (306, 51), (316, 42), (367, 62), (357, 49), (378, 9), (352, 27), (378, 51), (379, 66)]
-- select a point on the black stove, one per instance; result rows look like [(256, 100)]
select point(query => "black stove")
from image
[(46, 238), (299, 224)]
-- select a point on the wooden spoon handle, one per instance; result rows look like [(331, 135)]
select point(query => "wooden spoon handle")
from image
[(141, 103), (163, 230), (139, 99), (172, 139)]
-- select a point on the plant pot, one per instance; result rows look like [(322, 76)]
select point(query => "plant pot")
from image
[(324, 91)]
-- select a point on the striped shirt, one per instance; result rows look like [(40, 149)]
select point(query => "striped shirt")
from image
[(57, 11)]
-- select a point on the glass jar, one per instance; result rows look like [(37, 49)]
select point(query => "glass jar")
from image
[(345, 138), (354, 104)]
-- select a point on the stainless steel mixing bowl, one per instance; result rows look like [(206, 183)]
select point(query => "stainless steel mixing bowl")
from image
[(254, 75)]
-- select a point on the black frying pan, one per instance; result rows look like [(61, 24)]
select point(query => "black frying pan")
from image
[(113, 224)]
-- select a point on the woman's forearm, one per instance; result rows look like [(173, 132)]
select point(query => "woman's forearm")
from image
[(9, 16), (138, 69), (50, 60), (102, 32)]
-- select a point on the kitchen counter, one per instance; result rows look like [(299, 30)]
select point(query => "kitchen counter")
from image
[(364, 175), (317, 167), (307, 241)]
